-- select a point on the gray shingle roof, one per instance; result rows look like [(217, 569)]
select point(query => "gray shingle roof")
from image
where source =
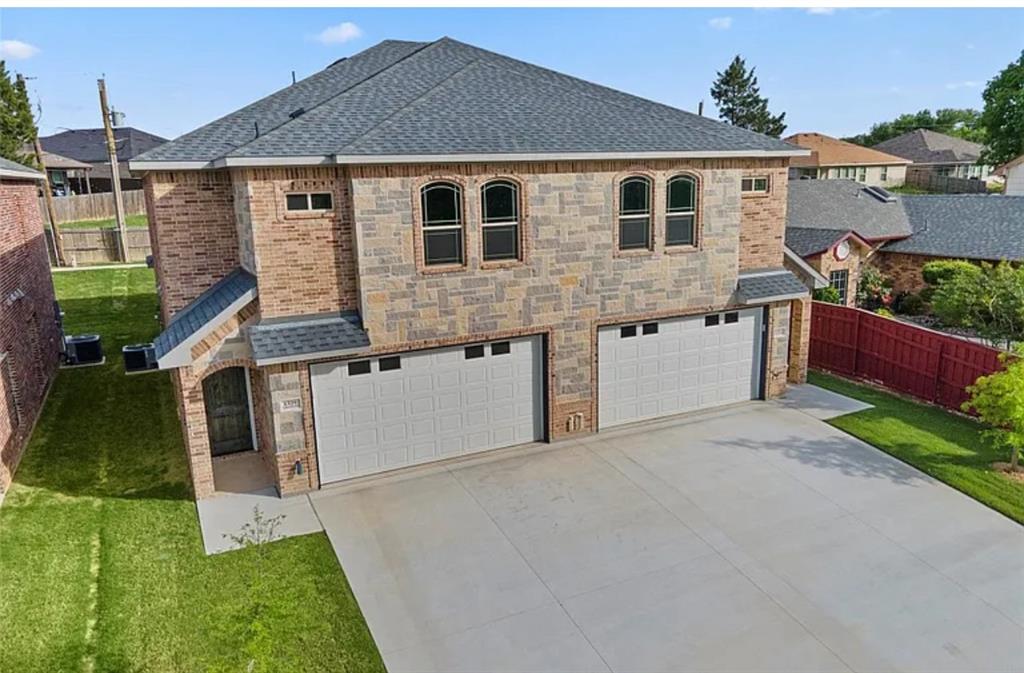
[(759, 286), (844, 205), (307, 337), (970, 226), (90, 145), (204, 309), (928, 147), (808, 241), (446, 97), (12, 169)]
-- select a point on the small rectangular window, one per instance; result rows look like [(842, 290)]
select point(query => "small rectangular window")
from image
[(297, 201), (473, 352), (387, 364), (501, 348), (650, 328), (731, 318), (710, 320), (627, 331), (321, 201), (754, 185), (360, 367)]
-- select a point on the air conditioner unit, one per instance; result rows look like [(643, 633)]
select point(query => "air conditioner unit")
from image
[(138, 358), (84, 349)]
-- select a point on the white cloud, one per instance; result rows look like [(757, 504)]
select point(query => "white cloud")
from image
[(821, 10), (343, 32), (969, 46), (721, 22), (17, 50), (966, 84)]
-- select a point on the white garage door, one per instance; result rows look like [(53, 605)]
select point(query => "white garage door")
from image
[(384, 413), (664, 367)]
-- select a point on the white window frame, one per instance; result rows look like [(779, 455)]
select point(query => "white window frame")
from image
[(753, 179), (883, 173), (844, 280), (692, 211), (459, 224), (309, 202), (636, 216), (515, 222)]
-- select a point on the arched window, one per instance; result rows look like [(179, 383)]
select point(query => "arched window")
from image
[(681, 211), (634, 213), (500, 199), (442, 223)]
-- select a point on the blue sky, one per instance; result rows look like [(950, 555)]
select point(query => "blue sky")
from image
[(171, 70)]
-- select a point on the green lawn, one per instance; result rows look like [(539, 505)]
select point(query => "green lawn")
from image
[(946, 446), (101, 561), (129, 220)]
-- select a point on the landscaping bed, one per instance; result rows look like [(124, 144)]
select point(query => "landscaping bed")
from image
[(949, 447), (101, 561)]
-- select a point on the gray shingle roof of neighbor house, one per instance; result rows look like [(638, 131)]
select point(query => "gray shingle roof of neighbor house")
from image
[(303, 338), (90, 145), (755, 287), (928, 147), (12, 169), (969, 226), (408, 100), (806, 241), (204, 313), (843, 205)]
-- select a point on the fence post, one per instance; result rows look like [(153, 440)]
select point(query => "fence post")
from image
[(856, 341)]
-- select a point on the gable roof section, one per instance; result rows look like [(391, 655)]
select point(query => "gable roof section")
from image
[(806, 242), (308, 337), (768, 285), (841, 206), (928, 147), (90, 145), (445, 100), (205, 313), (12, 170), (967, 226), (828, 151)]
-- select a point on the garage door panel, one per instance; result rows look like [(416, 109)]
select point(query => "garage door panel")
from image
[(437, 404), (687, 364)]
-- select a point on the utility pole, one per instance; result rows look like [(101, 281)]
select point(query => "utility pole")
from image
[(115, 174), (51, 209)]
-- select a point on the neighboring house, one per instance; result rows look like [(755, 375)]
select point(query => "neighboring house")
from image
[(833, 159), (29, 333), (68, 176), (838, 226), (431, 250), (938, 153), (1013, 173), (89, 146)]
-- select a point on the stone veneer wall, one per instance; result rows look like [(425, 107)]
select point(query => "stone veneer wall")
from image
[(193, 233), (799, 339)]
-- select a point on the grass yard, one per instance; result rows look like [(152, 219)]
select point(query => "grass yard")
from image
[(101, 561), (129, 220), (944, 445)]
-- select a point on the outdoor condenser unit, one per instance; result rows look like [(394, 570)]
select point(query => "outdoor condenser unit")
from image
[(138, 358), (84, 349)]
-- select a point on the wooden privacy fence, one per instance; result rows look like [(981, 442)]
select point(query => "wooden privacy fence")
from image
[(92, 206), (914, 360), (946, 184), (99, 246)]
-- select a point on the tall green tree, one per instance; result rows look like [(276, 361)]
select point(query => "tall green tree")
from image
[(17, 125), (959, 122), (986, 299), (1003, 116), (740, 102)]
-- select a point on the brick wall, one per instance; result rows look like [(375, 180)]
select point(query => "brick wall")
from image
[(903, 270), (193, 233), (763, 228), (826, 263), (29, 337)]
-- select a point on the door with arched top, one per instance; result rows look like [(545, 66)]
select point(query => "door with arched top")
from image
[(228, 421)]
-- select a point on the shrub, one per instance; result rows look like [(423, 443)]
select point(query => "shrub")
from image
[(944, 269), (989, 300), (884, 312), (827, 294), (909, 304), (873, 289), (999, 400)]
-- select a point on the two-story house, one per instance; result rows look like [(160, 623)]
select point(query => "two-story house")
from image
[(428, 250)]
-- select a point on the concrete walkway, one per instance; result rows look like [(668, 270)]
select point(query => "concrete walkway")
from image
[(820, 403), (752, 539)]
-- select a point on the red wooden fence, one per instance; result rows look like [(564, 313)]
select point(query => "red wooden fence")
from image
[(914, 360)]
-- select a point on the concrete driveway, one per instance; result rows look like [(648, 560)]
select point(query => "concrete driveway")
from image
[(752, 539)]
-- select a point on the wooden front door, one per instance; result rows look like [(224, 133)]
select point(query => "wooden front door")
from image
[(227, 411)]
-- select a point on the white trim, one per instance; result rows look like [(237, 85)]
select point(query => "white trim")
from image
[(819, 278), (767, 272), (779, 297), (181, 355), (232, 162), (319, 355), (252, 411), (169, 165), (27, 174)]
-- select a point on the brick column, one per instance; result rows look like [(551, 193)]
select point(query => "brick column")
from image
[(799, 339), (192, 411)]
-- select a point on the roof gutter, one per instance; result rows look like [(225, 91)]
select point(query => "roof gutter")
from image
[(20, 175)]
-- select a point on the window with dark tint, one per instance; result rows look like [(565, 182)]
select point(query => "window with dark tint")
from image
[(387, 364), (650, 328), (635, 213), (627, 331), (305, 201), (754, 185), (473, 352), (681, 211), (321, 201), (730, 318), (297, 201), (500, 200), (710, 320), (501, 348), (360, 367), (442, 223), (840, 280)]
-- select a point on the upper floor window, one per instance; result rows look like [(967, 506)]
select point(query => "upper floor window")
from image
[(635, 213), (681, 211), (309, 201), (442, 223), (755, 185), (500, 200)]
